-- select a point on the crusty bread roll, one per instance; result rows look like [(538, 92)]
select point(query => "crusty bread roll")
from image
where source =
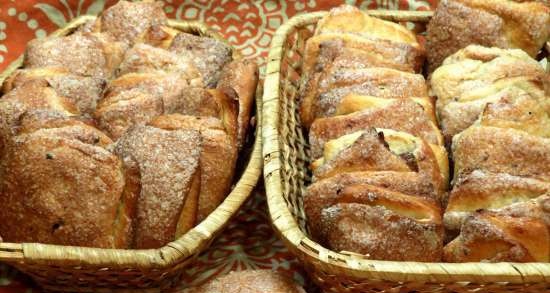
[(210, 55), (81, 53), (166, 163), (37, 94), (217, 158), (251, 281), (83, 91), (401, 115), (240, 77), (51, 168), (127, 21), (491, 23)]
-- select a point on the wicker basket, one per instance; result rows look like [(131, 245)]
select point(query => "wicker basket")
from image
[(82, 269), (285, 151)]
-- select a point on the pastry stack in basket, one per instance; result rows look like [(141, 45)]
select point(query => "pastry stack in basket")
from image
[(379, 164), (494, 106), (123, 134), (380, 184)]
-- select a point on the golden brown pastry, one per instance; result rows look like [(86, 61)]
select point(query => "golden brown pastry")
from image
[(476, 76), (384, 150), (86, 54), (217, 159), (127, 21), (210, 55), (251, 281), (143, 58), (326, 192), (160, 36), (501, 150), (37, 94), (136, 98), (84, 92), (490, 191), (401, 115), (491, 23), (350, 40), (358, 30), (52, 167), (383, 224), (519, 233), (163, 172), (377, 82), (241, 78)]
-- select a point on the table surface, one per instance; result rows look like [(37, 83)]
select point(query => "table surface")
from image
[(249, 241)]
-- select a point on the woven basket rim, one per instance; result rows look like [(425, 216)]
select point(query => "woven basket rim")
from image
[(355, 265), (176, 252)]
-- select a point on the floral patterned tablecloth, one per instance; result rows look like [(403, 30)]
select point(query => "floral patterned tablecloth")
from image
[(248, 242)]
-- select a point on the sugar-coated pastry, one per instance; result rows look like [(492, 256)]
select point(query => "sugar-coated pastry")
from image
[(250, 281), (162, 169), (491, 23)]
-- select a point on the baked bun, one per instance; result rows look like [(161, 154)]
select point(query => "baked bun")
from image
[(240, 77), (217, 159), (81, 53), (162, 170), (52, 167), (84, 92), (251, 281), (495, 23), (501, 150)]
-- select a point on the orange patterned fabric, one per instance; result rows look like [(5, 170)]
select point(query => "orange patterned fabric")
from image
[(248, 242)]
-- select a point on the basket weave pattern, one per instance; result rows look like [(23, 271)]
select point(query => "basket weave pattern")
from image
[(286, 173), (84, 269)]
